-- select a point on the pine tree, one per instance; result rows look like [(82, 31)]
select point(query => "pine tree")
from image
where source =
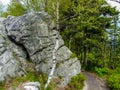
[(15, 9), (86, 29)]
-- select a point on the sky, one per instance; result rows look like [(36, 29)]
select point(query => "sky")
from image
[(5, 2), (113, 4)]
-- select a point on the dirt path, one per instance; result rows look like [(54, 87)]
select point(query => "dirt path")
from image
[(94, 83)]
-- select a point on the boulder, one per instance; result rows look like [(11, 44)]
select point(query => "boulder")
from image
[(36, 32), (31, 86), (12, 57)]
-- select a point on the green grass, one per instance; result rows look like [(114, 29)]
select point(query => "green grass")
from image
[(114, 81), (29, 77), (77, 82), (2, 86), (73, 55)]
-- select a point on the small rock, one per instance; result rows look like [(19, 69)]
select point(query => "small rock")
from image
[(31, 86)]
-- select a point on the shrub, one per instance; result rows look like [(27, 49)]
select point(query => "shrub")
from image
[(30, 76), (114, 81), (2, 86), (73, 55), (77, 82), (102, 71)]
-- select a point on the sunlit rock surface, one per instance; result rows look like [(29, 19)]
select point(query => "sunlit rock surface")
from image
[(36, 33), (12, 57)]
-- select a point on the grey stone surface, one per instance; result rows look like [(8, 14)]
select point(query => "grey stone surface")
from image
[(36, 32), (67, 69), (12, 58), (31, 86)]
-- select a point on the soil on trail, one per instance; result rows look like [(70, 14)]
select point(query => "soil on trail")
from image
[(94, 83)]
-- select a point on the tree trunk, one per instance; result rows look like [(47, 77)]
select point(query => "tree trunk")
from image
[(57, 15), (104, 54), (69, 45), (110, 55), (85, 55), (46, 5), (54, 63)]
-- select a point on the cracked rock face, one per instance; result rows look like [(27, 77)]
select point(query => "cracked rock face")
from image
[(12, 58), (37, 34)]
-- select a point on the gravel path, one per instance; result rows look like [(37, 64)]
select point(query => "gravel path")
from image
[(94, 83)]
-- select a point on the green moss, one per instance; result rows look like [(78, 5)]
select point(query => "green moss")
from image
[(73, 55), (60, 77), (51, 86), (2, 86)]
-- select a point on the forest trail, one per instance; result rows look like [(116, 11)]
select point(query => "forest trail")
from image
[(94, 83)]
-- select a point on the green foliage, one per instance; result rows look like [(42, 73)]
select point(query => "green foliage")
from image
[(34, 5), (14, 82), (112, 76), (91, 57), (83, 26), (77, 82), (30, 76), (114, 81), (15, 9), (73, 55), (84, 30), (103, 71), (2, 86)]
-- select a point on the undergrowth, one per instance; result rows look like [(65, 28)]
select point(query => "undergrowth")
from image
[(29, 77), (77, 82), (112, 76)]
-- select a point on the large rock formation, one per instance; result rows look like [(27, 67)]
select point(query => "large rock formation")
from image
[(36, 33), (12, 57)]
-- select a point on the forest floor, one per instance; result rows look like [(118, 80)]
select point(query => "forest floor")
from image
[(93, 82)]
